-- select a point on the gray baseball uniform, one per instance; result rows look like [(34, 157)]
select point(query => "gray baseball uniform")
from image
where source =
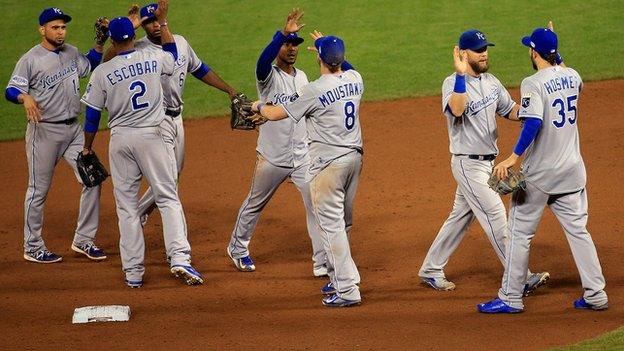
[(173, 88), (282, 152), (141, 144), (475, 133), (331, 106), (555, 175), (52, 79)]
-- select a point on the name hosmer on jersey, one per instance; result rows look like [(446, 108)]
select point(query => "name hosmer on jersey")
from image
[(341, 92), (133, 70), (560, 83)]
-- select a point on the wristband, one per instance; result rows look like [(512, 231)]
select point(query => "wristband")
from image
[(460, 84)]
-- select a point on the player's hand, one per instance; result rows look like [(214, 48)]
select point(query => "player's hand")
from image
[(33, 111), (315, 35), (292, 22), (500, 170), (134, 16), (161, 11), (460, 60), (550, 26), (257, 119)]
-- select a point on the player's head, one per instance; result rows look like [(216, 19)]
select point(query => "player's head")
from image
[(149, 22), (475, 44), (121, 30), (290, 49), (331, 52), (542, 45), (53, 26)]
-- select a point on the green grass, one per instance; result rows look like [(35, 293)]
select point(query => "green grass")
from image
[(402, 48), (613, 341)]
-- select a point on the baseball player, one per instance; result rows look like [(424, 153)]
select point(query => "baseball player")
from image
[(282, 149), (141, 144), (555, 176), (471, 99), (330, 106), (46, 81), (173, 87)]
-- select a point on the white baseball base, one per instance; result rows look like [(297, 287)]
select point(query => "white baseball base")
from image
[(111, 313)]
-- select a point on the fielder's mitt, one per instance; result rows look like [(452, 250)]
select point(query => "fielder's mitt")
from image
[(101, 30), (514, 181), (91, 170), (241, 109)]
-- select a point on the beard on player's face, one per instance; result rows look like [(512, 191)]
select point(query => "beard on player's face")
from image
[(54, 33), (480, 66)]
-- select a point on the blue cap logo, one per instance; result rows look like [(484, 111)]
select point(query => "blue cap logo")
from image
[(121, 29), (542, 40), (331, 49), (147, 12), (51, 14), (473, 40)]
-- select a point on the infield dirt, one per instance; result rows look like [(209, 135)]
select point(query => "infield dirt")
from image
[(405, 193)]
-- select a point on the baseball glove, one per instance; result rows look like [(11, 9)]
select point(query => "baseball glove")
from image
[(514, 181), (241, 109), (101, 30), (90, 169)]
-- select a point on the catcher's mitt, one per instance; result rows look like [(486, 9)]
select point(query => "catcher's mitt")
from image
[(514, 181), (90, 169), (101, 30), (241, 109)]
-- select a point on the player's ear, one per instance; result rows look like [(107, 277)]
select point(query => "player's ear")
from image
[(42, 30)]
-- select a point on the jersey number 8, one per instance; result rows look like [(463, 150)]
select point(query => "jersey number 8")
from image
[(349, 110)]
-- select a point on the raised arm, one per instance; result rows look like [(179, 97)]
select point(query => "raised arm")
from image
[(268, 55), (457, 101)]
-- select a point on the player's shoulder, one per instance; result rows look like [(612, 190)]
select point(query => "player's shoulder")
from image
[(490, 78), (180, 39), (70, 49), (449, 79), (532, 81), (353, 73)]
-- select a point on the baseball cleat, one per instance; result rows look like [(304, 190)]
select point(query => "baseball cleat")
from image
[(42, 256), (244, 264), (188, 274), (328, 289), (497, 306), (439, 283), (320, 271), (581, 304), (134, 284), (534, 281), (90, 250), (337, 301)]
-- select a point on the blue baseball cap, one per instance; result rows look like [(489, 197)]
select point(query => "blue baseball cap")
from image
[(51, 14), (147, 12), (542, 40), (294, 38), (331, 49), (473, 40), (120, 29)]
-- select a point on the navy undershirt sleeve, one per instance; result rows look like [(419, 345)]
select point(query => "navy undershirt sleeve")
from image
[(172, 48), (94, 58), (92, 120), (346, 66), (263, 67), (529, 131), (11, 94), (201, 71)]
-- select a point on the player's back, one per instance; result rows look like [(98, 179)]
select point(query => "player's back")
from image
[(132, 87), (553, 162)]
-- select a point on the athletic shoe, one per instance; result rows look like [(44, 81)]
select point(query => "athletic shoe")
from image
[(439, 283), (328, 289), (42, 256), (336, 301), (143, 219), (320, 271), (497, 306), (534, 281), (244, 264), (581, 304), (188, 274), (90, 250), (134, 284)]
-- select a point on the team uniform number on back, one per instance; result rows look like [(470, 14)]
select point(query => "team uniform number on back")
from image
[(564, 108), (349, 110), (138, 88)]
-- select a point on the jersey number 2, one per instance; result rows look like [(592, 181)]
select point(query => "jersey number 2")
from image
[(349, 111), (563, 109), (138, 88)]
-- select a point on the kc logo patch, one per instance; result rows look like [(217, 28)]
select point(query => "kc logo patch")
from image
[(480, 36), (526, 101)]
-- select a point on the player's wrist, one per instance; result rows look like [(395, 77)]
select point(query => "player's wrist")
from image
[(460, 84)]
